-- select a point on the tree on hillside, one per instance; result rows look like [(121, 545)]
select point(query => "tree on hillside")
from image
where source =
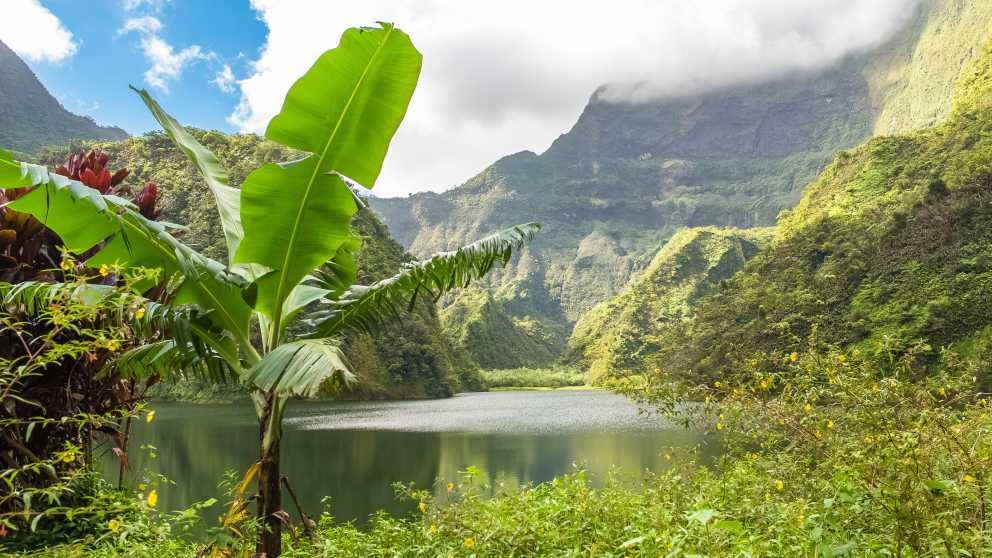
[(289, 242)]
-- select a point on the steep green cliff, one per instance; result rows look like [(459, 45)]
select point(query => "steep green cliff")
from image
[(626, 177), (890, 250), (617, 336), (30, 117), (409, 359)]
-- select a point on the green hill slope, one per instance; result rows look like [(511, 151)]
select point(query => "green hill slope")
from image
[(890, 250), (30, 117), (626, 177), (410, 359), (617, 336)]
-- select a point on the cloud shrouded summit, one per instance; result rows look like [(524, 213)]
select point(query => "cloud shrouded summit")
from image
[(502, 77)]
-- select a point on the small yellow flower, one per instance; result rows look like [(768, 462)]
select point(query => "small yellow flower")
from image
[(809, 407), (150, 416), (717, 384), (104, 270), (841, 358), (768, 495), (942, 391), (469, 543), (66, 265), (719, 426), (114, 525), (142, 486), (968, 478), (422, 507), (68, 457), (433, 529), (113, 345), (830, 424), (779, 485), (794, 356), (451, 486), (152, 498), (781, 421), (139, 313), (818, 434)]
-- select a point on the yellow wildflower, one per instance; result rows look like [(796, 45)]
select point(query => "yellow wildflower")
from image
[(779, 485), (841, 358), (433, 529), (152, 498), (139, 313), (422, 507), (717, 384), (809, 407), (104, 270), (830, 424), (68, 457), (942, 391), (66, 265), (469, 543), (719, 426), (150, 416), (114, 525), (142, 486), (794, 356), (451, 486), (113, 345), (968, 478)]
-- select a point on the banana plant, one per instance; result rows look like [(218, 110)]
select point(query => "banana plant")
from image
[(289, 241)]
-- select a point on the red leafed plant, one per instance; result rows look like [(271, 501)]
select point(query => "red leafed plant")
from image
[(28, 250)]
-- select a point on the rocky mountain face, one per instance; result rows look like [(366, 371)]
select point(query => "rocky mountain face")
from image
[(889, 253), (30, 117), (612, 190)]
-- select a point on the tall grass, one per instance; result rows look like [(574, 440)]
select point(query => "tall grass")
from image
[(555, 377)]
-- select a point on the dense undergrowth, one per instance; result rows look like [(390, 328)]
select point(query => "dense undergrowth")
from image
[(556, 377), (826, 455)]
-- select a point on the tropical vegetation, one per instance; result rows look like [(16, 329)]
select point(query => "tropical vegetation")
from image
[(289, 242)]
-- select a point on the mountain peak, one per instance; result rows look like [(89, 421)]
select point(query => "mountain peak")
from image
[(31, 117)]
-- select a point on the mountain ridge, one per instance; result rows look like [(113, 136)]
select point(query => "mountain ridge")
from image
[(615, 187), (30, 117)]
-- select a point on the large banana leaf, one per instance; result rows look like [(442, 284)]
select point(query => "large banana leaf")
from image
[(364, 308), (110, 226), (228, 198), (298, 368), (344, 111)]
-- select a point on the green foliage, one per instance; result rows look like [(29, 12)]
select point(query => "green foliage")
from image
[(620, 336), (556, 377), (888, 248)]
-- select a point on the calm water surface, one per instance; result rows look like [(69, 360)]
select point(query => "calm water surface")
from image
[(354, 451)]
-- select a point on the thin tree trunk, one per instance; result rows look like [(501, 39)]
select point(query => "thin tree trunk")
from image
[(270, 494)]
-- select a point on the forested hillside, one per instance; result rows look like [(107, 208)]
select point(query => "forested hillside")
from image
[(626, 177), (31, 118), (888, 252), (410, 359), (619, 336)]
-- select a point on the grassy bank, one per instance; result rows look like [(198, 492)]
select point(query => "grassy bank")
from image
[(516, 378)]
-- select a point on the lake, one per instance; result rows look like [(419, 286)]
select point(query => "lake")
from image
[(354, 451)]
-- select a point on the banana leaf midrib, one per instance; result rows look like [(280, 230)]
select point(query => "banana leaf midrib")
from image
[(313, 177)]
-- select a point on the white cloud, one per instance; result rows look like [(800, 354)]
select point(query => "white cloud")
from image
[(500, 77), (34, 32), (224, 80), (166, 64), (146, 24), (152, 5)]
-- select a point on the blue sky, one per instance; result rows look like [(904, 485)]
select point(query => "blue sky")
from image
[(95, 79), (498, 77)]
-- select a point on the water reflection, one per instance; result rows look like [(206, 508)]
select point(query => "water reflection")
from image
[(354, 452)]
